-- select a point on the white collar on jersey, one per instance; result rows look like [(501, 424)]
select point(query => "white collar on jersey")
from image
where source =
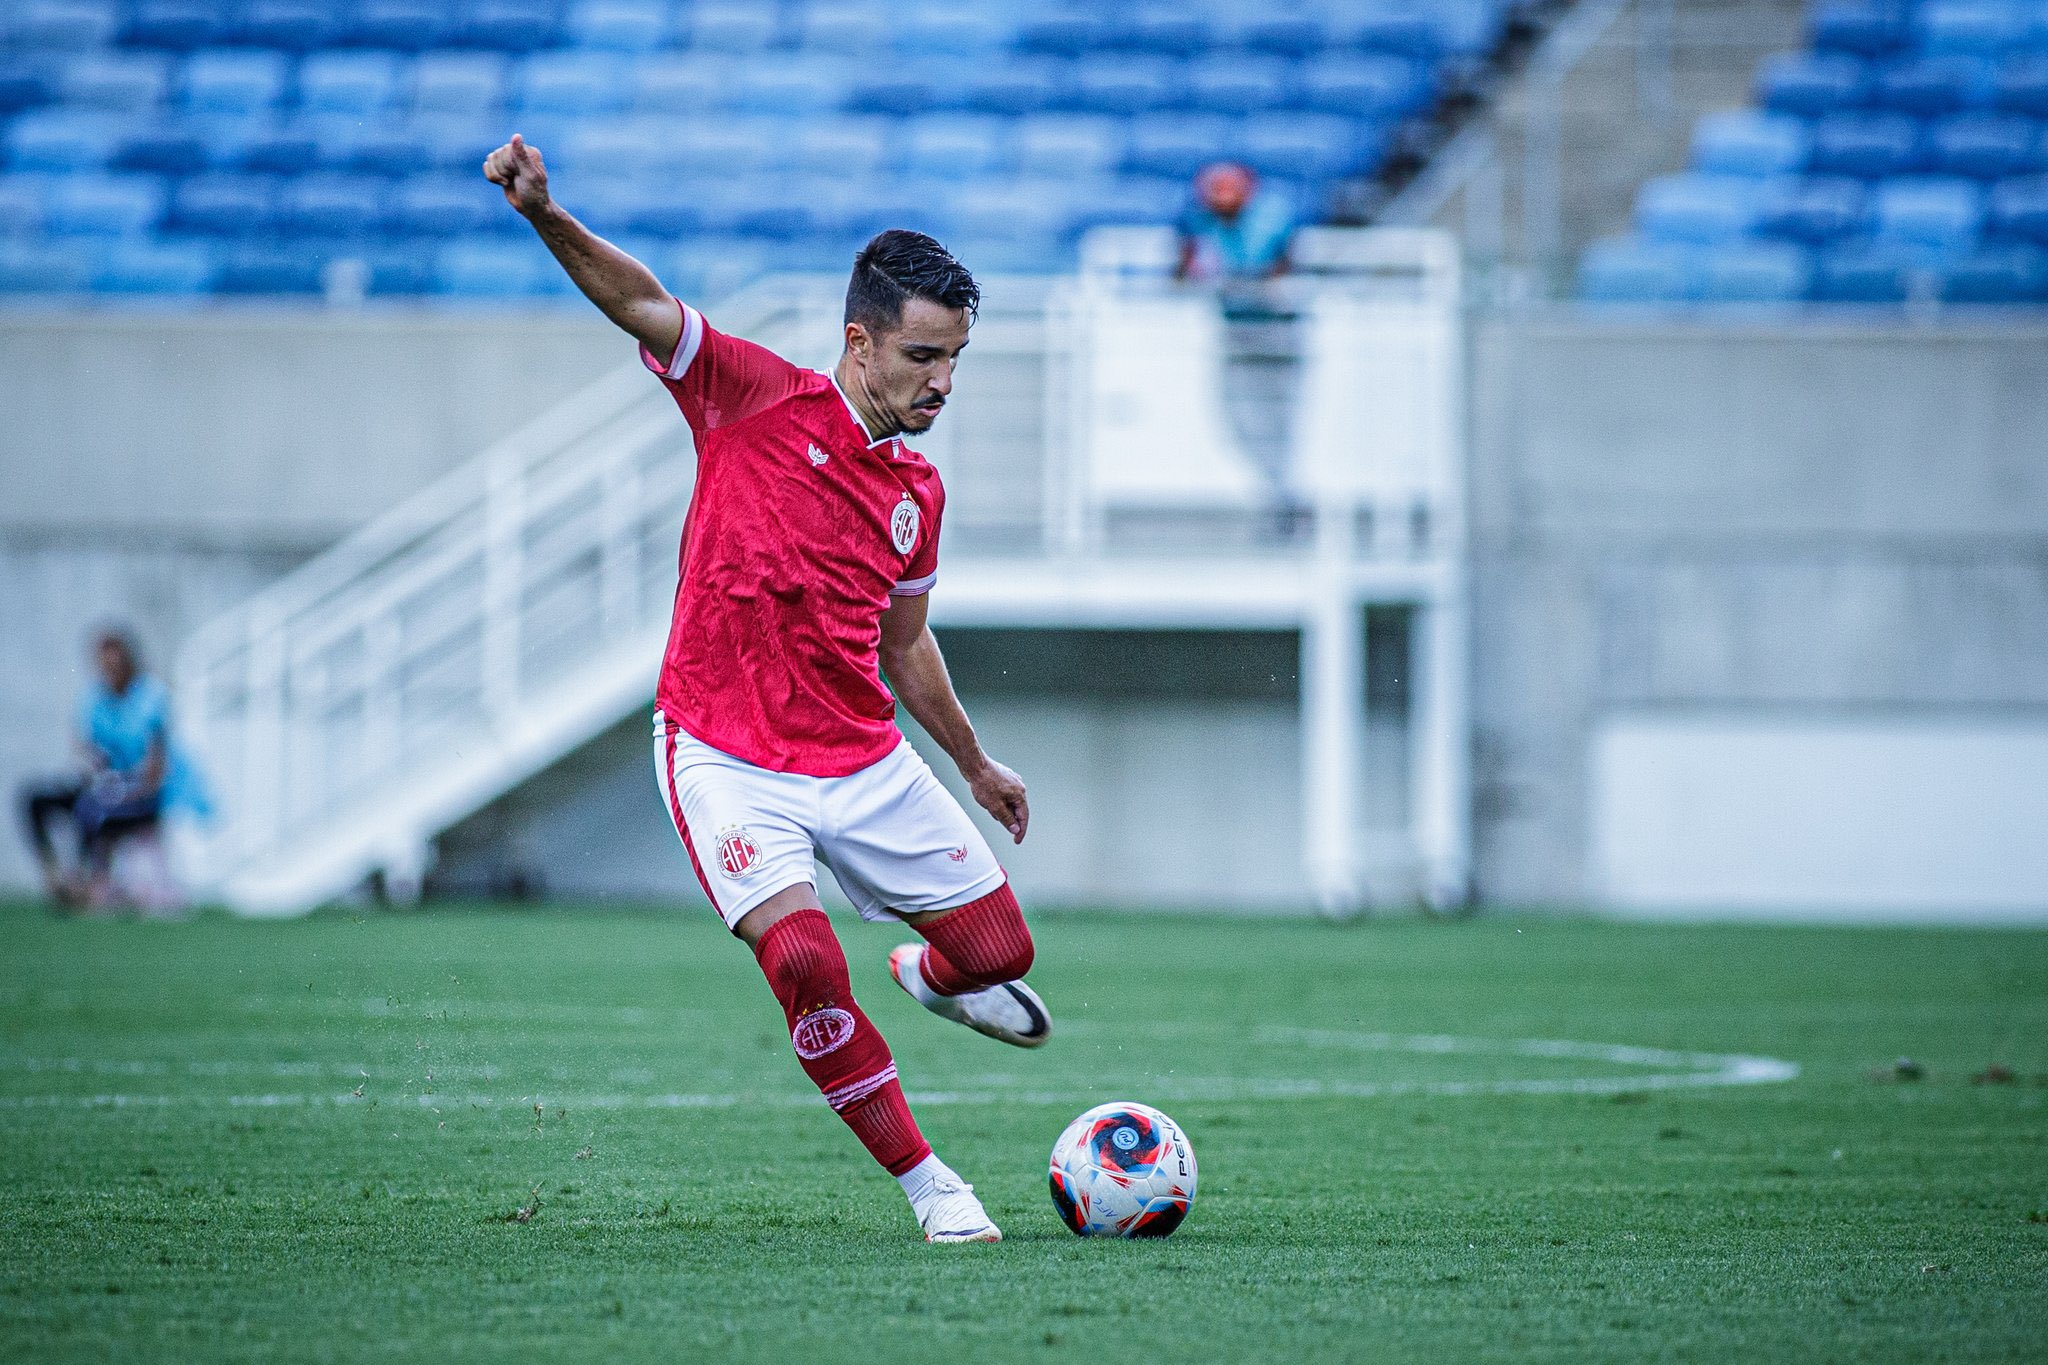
[(854, 412)]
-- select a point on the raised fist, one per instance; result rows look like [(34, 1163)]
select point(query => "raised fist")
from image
[(517, 169)]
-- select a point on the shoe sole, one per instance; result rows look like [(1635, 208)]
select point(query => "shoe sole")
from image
[(988, 1235)]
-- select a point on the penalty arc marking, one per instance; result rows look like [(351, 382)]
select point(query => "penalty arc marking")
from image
[(1649, 1068)]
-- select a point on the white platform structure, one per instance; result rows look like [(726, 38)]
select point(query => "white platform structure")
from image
[(507, 615)]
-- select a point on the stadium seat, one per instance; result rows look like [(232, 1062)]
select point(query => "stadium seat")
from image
[(493, 269), (119, 83), (659, 206), (1276, 31), (225, 205), (175, 25), (619, 25), (466, 83), (1237, 84), (732, 147), (60, 25), (1858, 27), (1133, 199), (104, 205), (229, 81), (284, 25), (1810, 84), (43, 267), (1693, 207), (270, 270), (400, 269), (1754, 272), (372, 148), (1969, 27), (446, 206), (1868, 145), (1068, 144), (165, 149), (280, 148), (1178, 145), (845, 27), (24, 84), (1816, 209), (396, 25), (852, 147), (790, 86), (1631, 270), (966, 145), (1013, 87), (958, 30), (617, 147), (716, 26), (21, 205), (333, 206), (1162, 30), (1402, 30), (905, 89), (1373, 85), (61, 140), (1986, 146), (677, 83), (507, 26), (154, 267), (2020, 86), (2019, 208), (1926, 86), (1009, 210), (1942, 215), (1865, 273), (1308, 146), (1064, 32), (1996, 274), (570, 84), (454, 143), (1121, 85), (357, 83), (1749, 142)]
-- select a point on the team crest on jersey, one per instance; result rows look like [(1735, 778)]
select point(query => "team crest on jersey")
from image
[(818, 456), (820, 1032), (737, 851), (903, 525)]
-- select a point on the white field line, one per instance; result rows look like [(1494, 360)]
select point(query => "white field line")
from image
[(1663, 1070)]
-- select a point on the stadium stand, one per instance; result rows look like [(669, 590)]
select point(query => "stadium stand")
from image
[(182, 147), (1902, 157)]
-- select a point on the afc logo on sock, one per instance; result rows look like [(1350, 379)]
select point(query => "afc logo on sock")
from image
[(820, 1032)]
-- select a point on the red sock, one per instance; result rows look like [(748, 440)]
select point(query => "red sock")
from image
[(838, 1048), (982, 943)]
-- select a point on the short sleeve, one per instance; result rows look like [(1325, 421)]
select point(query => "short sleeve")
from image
[(923, 569), (718, 379)]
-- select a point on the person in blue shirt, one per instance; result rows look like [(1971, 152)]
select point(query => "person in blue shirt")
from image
[(123, 740), (1234, 233)]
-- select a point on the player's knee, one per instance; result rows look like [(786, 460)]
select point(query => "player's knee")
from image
[(987, 939)]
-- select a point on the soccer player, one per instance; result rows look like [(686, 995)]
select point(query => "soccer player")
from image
[(808, 553)]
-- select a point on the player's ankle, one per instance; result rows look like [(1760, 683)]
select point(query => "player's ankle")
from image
[(919, 1180)]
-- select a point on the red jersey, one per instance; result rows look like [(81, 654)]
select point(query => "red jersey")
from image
[(800, 531)]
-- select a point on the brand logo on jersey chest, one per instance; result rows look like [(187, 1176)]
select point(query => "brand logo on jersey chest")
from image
[(818, 456), (737, 851), (903, 525)]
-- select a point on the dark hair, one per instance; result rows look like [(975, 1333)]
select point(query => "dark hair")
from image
[(897, 265), (121, 638)]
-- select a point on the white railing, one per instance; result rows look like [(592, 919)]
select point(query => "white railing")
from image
[(515, 608)]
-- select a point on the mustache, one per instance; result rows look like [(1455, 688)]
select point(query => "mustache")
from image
[(930, 405)]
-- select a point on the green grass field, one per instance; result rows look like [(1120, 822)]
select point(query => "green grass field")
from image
[(308, 1141)]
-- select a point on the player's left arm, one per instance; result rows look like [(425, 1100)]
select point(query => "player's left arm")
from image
[(917, 672)]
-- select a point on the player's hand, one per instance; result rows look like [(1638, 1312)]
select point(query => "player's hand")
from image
[(1000, 792), (517, 169)]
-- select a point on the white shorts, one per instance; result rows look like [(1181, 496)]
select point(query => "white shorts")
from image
[(894, 838)]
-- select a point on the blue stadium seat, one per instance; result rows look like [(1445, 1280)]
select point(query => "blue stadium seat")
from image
[(845, 27), (1810, 84), (1863, 28), (636, 145), (2019, 208), (763, 206), (455, 143), (270, 270), (790, 85), (1069, 144), (1692, 207), (471, 84), (1013, 87), (657, 205), (43, 267), (959, 30), (851, 147), (966, 145), (1631, 270), (1121, 85), (372, 148), (1750, 142), (1237, 84), (620, 25), (1403, 30), (175, 25), (61, 140), (669, 83), (1178, 145), (1754, 272), (163, 149), (1943, 215), (906, 88), (571, 84), (154, 267), (1136, 199), (400, 269), (1987, 146), (1816, 209), (510, 269), (848, 212), (285, 25), (358, 83), (1372, 85), (61, 25), (397, 25), (717, 26), (279, 148), (1868, 145), (117, 82), (1065, 32), (733, 147), (1864, 272), (447, 206), (1927, 86), (225, 205), (507, 26), (1308, 146), (228, 81), (24, 84), (104, 205), (1162, 30), (1280, 32), (1008, 210), (1970, 27), (1996, 274), (2020, 86), (21, 205)]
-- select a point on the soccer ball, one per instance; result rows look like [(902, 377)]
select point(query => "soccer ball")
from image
[(1123, 1170)]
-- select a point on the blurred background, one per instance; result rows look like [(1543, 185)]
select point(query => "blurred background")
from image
[(1419, 452)]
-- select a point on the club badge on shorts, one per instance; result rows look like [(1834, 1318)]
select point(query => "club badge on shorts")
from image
[(737, 851), (903, 525)]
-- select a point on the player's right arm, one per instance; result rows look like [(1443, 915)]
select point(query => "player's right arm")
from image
[(623, 289)]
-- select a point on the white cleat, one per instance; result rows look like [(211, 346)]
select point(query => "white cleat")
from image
[(949, 1212), (1011, 1012)]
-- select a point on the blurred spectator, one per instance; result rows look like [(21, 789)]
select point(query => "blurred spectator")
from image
[(129, 773), (1234, 239)]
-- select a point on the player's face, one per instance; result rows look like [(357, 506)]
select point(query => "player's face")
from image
[(909, 369)]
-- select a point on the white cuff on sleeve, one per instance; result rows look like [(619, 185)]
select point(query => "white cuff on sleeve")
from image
[(687, 345), (911, 587)]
